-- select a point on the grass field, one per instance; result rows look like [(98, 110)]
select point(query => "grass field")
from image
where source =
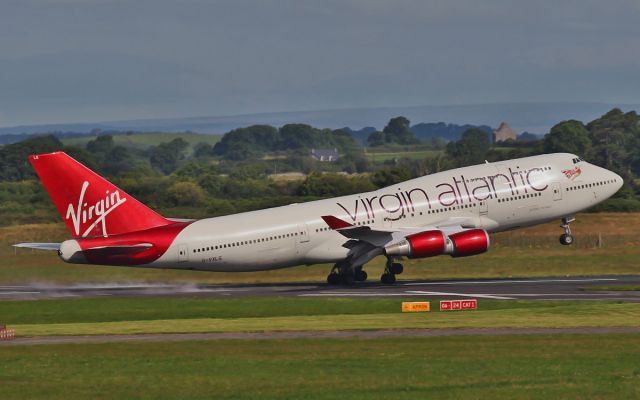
[(412, 155), (494, 367), (145, 140), (613, 288), (106, 316), (605, 244), (525, 367)]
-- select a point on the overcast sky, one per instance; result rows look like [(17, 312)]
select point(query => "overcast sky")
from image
[(100, 60)]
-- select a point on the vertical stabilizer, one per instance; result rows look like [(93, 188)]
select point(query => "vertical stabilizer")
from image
[(90, 205)]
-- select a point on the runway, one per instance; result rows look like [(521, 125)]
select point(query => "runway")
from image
[(582, 288)]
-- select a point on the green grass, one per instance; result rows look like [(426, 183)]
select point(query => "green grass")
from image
[(613, 288), (531, 252), (190, 315), (507, 367), (101, 309), (107, 309), (27, 266), (412, 155)]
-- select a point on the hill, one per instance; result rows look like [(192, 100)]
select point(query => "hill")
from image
[(144, 140), (532, 117)]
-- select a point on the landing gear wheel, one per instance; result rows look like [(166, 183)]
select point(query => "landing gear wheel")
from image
[(566, 240), (396, 268), (361, 275), (391, 269), (334, 279), (388, 279)]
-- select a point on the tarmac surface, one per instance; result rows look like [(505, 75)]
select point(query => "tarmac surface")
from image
[(582, 288)]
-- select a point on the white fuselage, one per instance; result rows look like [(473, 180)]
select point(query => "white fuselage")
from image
[(493, 196)]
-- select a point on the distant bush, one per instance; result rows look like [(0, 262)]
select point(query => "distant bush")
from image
[(617, 205)]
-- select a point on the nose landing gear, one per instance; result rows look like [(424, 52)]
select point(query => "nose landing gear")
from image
[(566, 238)]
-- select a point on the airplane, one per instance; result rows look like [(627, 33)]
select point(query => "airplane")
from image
[(445, 213)]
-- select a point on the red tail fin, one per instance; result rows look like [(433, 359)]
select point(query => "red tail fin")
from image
[(89, 204)]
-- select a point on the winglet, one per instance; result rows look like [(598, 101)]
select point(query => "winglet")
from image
[(335, 223)]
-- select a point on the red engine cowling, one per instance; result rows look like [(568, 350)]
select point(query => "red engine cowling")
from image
[(469, 243), (418, 245), (434, 243)]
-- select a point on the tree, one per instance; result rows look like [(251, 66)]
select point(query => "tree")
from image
[(118, 161), (376, 139), (240, 151), (203, 150), (390, 176), (212, 183), (398, 131), (165, 156), (471, 149), (300, 136), (328, 185), (567, 137), (14, 165), (100, 145), (615, 140), (243, 143), (185, 194)]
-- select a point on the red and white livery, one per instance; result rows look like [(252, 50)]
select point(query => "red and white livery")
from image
[(449, 212)]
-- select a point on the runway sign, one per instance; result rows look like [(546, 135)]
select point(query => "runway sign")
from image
[(455, 305), (416, 306), (7, 334)]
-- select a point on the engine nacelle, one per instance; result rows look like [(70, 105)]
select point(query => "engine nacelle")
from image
[(419, 245), (434, 243), (469, 243)]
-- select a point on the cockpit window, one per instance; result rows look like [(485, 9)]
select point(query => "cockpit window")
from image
[(577, 160)]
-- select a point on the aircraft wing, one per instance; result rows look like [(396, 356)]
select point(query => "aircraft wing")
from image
[(377, 237), (366, 243), (380, 237)]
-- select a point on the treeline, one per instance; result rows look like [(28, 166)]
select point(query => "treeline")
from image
[(198, 190), (237, 174), (257, 140), (611, 141)]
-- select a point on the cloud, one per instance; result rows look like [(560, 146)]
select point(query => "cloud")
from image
[(83, 60)]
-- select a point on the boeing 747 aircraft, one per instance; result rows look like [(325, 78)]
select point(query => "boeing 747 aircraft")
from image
[(450, 212)]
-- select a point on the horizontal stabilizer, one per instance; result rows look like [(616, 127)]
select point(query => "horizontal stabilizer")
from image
[(39, 246), (117, 250)]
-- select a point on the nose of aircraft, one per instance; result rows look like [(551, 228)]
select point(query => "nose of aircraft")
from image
[(617, 182)]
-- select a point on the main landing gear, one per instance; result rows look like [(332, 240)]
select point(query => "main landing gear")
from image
[(391, 270), (346, 274), (566, 238)]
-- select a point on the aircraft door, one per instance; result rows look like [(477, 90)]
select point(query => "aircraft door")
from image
[(303, 233), (557, 191), (183, 253), (483, 208)]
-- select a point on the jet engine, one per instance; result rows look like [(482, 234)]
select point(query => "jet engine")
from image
[(435, 242)]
